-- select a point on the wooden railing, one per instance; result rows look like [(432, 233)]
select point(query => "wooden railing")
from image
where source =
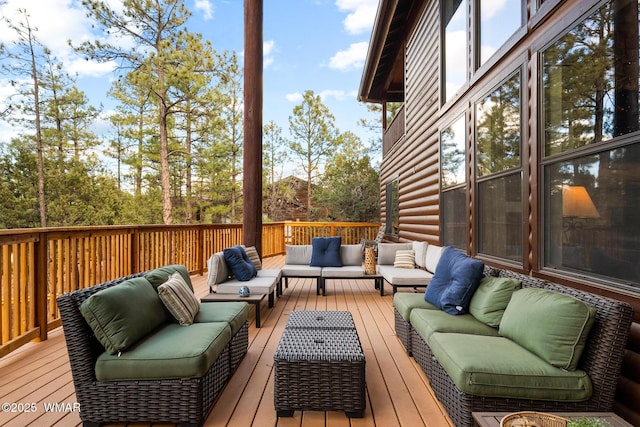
[(38, 265), (393, 132)]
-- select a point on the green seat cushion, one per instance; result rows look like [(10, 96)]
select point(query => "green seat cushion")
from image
[(491, 299), (498, 367), (404, 302), (552, 325), (234, 313), (160, 275), (171, 352), (121, 315), (426, 322)]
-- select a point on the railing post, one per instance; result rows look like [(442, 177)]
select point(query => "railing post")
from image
[(41, 288), (135, 250), (200, 249)]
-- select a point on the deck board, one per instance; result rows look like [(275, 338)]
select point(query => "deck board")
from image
[(398, 392)]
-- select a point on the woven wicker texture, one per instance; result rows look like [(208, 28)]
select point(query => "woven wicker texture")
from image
[(403, 331), (180, 401), (342, 345), (320, 365), (369, 261), (601, 360), (320, 320), (537, 419)]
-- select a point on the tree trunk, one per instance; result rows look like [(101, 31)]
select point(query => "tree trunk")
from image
[(39, 146), (165, 179)]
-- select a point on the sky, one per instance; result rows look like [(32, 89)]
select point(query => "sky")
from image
[(319, 45)]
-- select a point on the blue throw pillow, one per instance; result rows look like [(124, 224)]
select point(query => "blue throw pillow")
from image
[(325, 252), (245, 257), (240, 268), (456, 279)]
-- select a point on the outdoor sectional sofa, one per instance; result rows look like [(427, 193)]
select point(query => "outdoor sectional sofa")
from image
[(221, 278), (522, 344), (426, 257), (131, 361), (326, 258)]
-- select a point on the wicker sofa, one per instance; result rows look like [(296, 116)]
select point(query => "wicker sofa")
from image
[(425, 331), (152, 379)]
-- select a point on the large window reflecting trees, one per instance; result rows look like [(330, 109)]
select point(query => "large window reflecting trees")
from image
[(499, 171), (453, 181), (591, 148)]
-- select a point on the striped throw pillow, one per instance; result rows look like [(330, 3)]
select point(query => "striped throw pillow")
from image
[(179, 299), (252, 253), (405, 258)]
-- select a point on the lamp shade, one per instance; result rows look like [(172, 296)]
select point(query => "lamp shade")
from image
[(577, 203)]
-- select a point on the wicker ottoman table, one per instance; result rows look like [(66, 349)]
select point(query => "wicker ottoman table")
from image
[(320, 365)]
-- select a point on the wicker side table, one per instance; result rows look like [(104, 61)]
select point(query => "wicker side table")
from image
[(319, 370)]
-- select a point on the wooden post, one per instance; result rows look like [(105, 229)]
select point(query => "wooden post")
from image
[(252, 166), (41, 288)]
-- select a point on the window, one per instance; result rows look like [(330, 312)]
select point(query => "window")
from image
[(499, 171), (453, 183), (455, 46), (493, 24), (392, 225), (592, 147), (590, 79), (498, 21), (591, 206)]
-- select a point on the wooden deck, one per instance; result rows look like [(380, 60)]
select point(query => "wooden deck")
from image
[(36, 377)]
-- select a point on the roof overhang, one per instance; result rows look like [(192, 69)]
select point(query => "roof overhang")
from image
[(383, 75)]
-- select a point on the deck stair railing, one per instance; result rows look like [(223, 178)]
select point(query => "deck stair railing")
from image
[(40, 264)]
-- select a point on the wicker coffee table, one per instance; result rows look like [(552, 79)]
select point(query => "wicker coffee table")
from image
[(320, 365)]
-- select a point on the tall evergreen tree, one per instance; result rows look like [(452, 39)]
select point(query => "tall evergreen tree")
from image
[(155, 28), (22, 58), (314, 137)]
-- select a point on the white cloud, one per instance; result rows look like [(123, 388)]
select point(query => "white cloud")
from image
[(206, 8), (268, 48), (83, 67), (337, 94), (362, 14), (56, 22), (351, 58), (294, 97), (490, 8)]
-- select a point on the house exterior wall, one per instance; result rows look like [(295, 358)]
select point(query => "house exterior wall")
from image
[(414, 160)]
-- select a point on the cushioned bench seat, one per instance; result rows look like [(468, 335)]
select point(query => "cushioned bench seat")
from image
[(404, 277), (427, 322), (234, 313), (499, 367), (346, 272), (171, 352), (405, 302), (257, 285)]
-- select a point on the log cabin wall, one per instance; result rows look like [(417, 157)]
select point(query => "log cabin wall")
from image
[(414, 159)]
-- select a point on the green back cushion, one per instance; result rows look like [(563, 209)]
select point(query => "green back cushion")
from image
[(491, 299), (551, 325), (123, 314), (160, 275)]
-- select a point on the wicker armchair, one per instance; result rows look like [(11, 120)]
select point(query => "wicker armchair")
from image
[(181, 401)]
